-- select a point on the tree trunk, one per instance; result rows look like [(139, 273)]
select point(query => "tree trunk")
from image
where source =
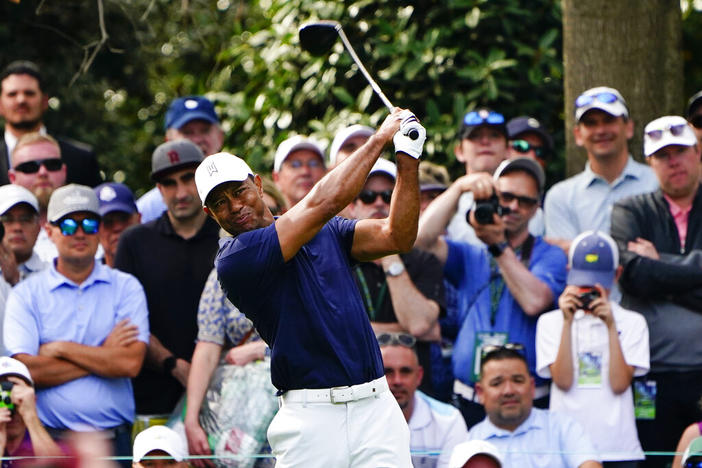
[(631, 45)]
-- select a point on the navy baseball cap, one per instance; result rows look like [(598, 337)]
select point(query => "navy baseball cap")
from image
[(114, 196), (593, 258), (184, 109), (523, 124)]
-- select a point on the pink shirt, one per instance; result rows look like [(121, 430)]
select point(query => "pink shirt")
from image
[(680, 215)]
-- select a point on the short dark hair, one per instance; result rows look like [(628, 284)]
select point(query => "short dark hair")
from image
[(503, 353), (23, 67)]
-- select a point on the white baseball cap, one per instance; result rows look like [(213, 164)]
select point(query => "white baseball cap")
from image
[(294, 143), (383, 166), (159, 438), (466, 450), (345, 134), (667, 130), (11, 195), (218, 169), (11, 366), (603, 98)]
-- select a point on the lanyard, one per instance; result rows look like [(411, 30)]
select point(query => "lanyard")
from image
[(497, 284), (370, 307)]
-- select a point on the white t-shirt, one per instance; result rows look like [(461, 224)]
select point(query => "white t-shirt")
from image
[(608, 418), (434, 427)]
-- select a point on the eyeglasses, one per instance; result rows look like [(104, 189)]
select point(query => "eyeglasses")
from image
[(522, 200), (696, 121), (489, 349), (587, 99), (524, 146), (311, 164), (675, 130), (483, 117), (69, 226), (32, 167), (396, 339), (369, 196), (22, 219), (693, 464)]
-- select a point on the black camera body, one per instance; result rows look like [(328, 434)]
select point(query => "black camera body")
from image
[(5, 395), (587, 297), (484, 210)]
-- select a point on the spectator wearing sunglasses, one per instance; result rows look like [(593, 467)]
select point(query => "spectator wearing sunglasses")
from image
[(528, 138), (584, 202), (434, 426), (405, 292), (505, 283), (659, 236), (298, 165), (691, 454), (80, 327), (525, 436), (23, 102), (592, 348), (694, 114)]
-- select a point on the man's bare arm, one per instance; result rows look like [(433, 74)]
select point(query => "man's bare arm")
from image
[(333, 192)]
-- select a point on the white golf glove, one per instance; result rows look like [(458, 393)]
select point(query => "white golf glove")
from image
[(410, 127)]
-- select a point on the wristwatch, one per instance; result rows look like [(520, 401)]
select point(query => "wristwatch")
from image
[(169, 364), (395, 269), (497, 249)]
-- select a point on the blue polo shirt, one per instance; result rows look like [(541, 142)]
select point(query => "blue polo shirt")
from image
[(308, 310), (468, 269), (49, 307)]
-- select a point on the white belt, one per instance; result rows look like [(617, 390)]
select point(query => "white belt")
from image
[(468, 392), (337, 394)]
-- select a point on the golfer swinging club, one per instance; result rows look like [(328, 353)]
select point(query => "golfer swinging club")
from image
[(292, 277)]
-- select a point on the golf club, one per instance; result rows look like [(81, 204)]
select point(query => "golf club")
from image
[(318, 37)]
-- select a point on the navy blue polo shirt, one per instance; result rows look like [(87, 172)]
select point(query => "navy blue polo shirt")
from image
[(309, 310)]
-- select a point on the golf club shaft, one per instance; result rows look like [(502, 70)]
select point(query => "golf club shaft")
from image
[(355, 58)]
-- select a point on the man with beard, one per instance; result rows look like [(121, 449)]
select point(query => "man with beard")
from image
[(434, 426), (402, 293), (23, 102), (37, 166), (525, 436), (502, 288), (171, 256), (298, 165)]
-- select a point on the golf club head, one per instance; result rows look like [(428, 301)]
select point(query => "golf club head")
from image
[(318, 37)]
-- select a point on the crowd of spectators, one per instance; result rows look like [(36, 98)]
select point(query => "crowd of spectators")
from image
[(557, 326)]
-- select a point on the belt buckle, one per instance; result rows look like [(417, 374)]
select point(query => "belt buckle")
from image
[(342, 400)]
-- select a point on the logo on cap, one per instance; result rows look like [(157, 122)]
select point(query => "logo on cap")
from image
[(191, 104), (76, 199), (173, 156), (211, 168), (592, 258), (533, 123), (107, 194)]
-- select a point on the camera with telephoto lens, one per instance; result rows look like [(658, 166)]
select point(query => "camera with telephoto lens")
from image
[(587, 297), (5, 395), (485, 208)]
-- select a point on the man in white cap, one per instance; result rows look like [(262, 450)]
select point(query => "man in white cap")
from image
[(80, 327), (346, 141), (402, 293), (475, 454), (21, 432), (298, 165), (157, 447), (292, 277), (659, 236), (584, 202)]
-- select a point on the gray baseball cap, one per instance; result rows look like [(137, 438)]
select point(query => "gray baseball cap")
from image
[(174, 155), (72, 198)]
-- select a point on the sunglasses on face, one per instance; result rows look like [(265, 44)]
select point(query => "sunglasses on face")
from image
[(696, 121), (22, 219), (481, 117), (396, 339), (369, 196), (69, 226), (587, 99), (311, 164), (32, 167), (675, 130), (522, 200), (488, 349), (523, 146), (693, 464)]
